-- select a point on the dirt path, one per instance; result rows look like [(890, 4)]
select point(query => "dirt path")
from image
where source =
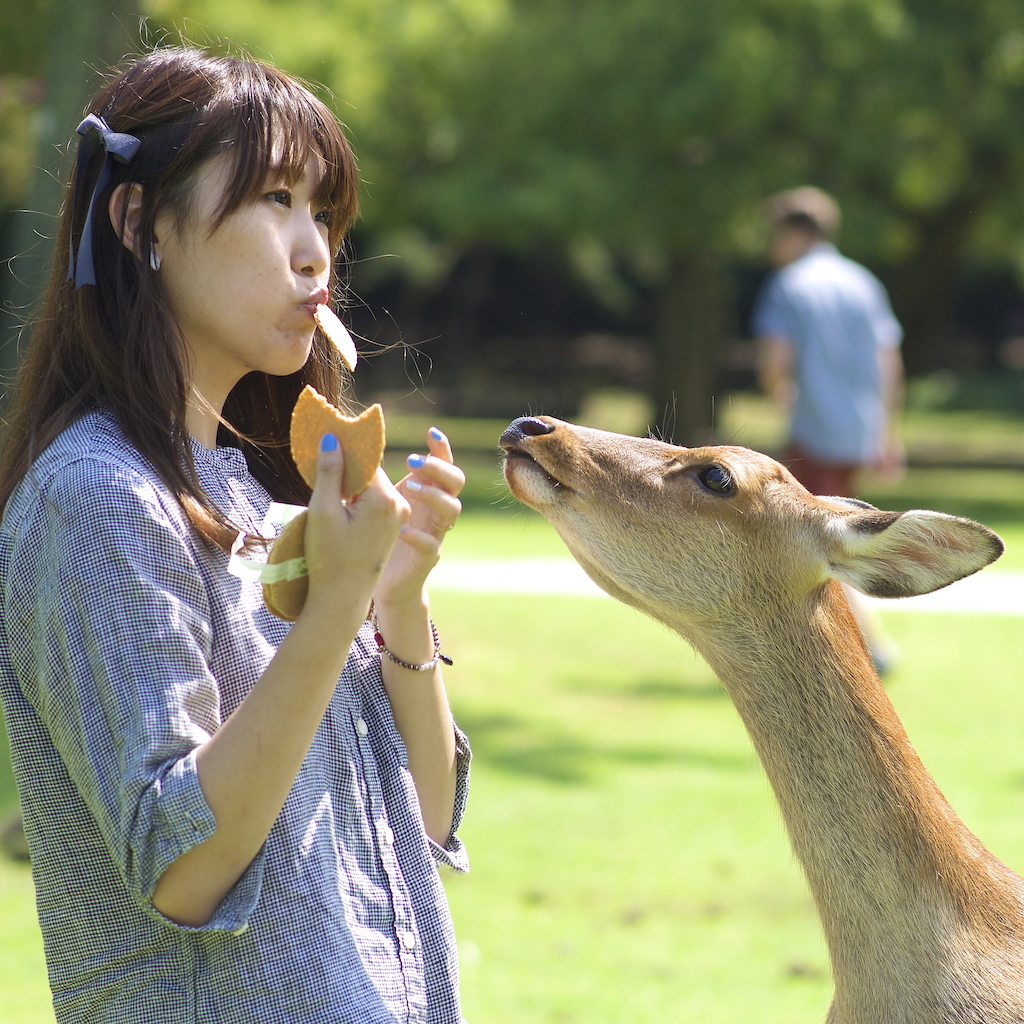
[(990, 592)]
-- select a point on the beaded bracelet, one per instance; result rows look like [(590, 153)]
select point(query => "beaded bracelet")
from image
[(427, 665)]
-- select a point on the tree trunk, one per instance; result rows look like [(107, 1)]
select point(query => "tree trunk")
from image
[(924, 292), (85, 35), (687, 342)]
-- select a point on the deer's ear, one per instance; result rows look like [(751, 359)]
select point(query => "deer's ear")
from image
[(901, 554)]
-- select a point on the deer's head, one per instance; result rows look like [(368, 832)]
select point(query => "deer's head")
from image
[(702, 534)]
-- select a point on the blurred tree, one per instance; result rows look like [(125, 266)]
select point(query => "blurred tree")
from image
[(51, 53), (21, 44), (638, 138), (648, 132)]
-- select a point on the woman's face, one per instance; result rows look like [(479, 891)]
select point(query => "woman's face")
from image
[(244, 292)]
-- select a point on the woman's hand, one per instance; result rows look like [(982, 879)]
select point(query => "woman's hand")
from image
[(431, 488), (418, 699), (348, 544)]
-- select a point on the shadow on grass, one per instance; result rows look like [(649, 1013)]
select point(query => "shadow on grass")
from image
[(654, 690), (521, 746)]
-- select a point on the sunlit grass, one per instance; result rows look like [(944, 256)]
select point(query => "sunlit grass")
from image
[(24, 995)]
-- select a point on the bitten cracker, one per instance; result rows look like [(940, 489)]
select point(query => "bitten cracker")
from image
[(337, 334), (361, 439)]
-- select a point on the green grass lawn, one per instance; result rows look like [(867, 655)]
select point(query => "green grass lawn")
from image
[(628, 860)]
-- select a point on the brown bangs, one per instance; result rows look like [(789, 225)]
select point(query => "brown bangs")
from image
[(274, 124)]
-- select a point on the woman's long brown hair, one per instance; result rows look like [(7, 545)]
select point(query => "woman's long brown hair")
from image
[(116, 345)]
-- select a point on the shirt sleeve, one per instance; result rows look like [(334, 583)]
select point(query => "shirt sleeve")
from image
[(772, 316), (888, 331), (453, 854), (115, 625)]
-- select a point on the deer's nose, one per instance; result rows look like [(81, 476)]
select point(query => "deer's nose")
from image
[(525, 426)]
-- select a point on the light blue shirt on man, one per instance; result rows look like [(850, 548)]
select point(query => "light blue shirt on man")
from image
[(837, 316)]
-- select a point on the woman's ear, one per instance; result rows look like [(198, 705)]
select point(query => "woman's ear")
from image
[(125, 214)]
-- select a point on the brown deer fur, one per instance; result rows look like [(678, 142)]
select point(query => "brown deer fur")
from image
[(923, 924)]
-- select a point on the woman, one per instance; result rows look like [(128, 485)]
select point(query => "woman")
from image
[(230, 819)]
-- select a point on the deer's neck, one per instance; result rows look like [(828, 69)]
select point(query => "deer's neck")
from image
[(891, 867)]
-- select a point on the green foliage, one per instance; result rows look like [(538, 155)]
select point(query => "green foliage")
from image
[(17, 99), (638, 140), (648, 125), (634, 138), (659, 123), (23, 41), (22, 45)]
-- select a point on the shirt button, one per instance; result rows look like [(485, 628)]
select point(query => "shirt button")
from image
[(387, 836), (408, 940), (361, 727)]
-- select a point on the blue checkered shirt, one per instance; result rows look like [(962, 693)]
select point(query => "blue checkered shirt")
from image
[(124, 643)]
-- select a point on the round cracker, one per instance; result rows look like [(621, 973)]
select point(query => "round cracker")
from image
[(361, 439), (286, 598)]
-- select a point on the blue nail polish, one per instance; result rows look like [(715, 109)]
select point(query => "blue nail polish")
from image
[(416, 461), (328, 443), (435, 434), (414, 485)]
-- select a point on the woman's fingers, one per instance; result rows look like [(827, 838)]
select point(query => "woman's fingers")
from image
[(350, 536), (433, 509), (439, 444), (437, 468), (330, 469)]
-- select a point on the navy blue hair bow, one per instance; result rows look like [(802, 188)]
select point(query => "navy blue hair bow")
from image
[(117, 146)]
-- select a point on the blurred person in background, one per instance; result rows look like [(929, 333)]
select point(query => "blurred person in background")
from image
[(828, 352), (828, 348)]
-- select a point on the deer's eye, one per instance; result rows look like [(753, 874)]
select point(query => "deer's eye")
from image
[(716, 478)]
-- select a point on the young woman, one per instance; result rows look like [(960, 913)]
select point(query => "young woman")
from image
[(230, 819)]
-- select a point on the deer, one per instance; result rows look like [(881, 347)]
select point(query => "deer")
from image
[(722, 545)]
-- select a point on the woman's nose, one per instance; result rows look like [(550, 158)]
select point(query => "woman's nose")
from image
[(312, 255)]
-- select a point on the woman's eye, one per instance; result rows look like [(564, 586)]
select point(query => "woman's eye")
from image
[(716, 478), (280, 195), (324, 217)]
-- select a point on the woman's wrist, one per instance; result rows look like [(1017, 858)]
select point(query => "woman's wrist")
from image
[(436, 655), (404, 631), (410, 609)]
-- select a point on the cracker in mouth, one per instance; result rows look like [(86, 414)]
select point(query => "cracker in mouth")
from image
[(337, 334)]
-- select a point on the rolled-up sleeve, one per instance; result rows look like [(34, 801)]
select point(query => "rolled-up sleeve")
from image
[(453, 854), (113, 632)]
